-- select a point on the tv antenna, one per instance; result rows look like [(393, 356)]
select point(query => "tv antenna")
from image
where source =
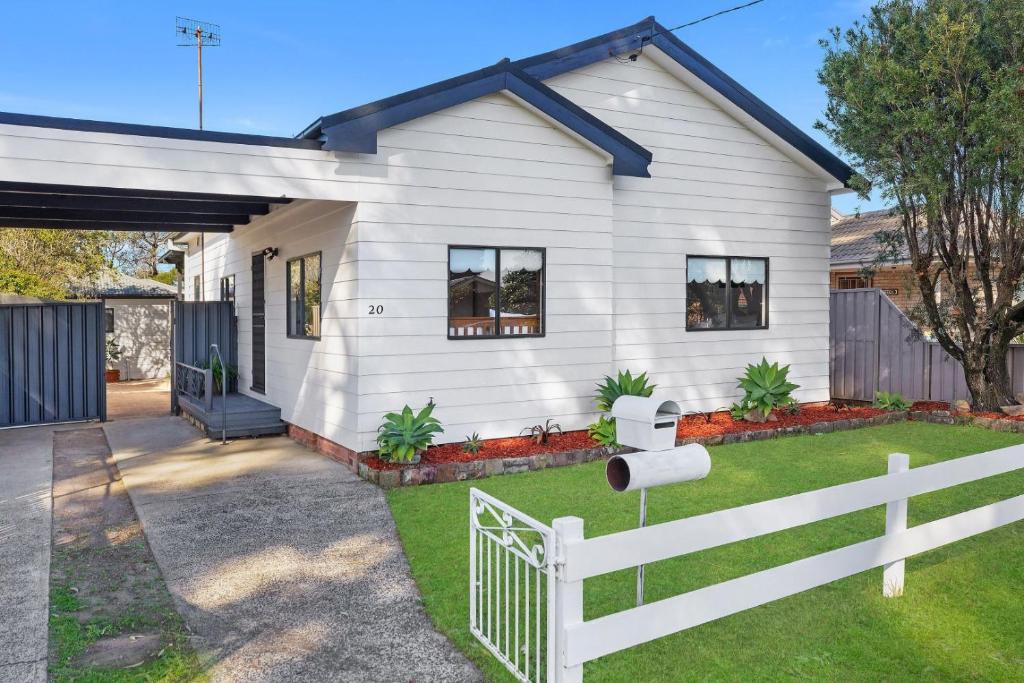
[(200, 34)]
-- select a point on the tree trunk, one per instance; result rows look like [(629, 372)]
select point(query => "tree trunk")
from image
[(988, 379)]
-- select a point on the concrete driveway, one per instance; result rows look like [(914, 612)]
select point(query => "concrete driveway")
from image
[(25, 503), (285, 565)]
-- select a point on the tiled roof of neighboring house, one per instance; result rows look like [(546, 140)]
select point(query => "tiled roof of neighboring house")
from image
[(114, 285), (853, 237)]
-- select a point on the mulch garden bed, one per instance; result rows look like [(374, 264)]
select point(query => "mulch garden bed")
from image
[(449, 462)]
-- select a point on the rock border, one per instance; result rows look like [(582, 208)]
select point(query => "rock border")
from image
[(418, 475)]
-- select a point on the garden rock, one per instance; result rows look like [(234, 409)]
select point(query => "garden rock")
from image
[(1013, 411)]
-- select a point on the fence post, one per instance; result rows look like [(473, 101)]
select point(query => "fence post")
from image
[(895, 522), (568, 600)]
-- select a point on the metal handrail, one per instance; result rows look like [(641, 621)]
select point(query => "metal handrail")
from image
[(224, 394)]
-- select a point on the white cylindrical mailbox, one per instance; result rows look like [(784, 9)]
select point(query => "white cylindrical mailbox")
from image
[(646, 423), (634, 471)]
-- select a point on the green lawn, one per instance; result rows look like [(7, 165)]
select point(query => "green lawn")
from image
[(962, 616)]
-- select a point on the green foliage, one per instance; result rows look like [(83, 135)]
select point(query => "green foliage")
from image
[(624, 385), (113, 351), (402, 435), (541, 433), (765, 388), (473, 444), (16, 281), (218, 374), (890, 401), (43, 263), (926, 98), (603, 432), (168, 277), (739, 410)]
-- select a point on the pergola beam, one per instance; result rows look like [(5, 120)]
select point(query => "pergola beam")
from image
[(113, 225), (87, 191), (59, 201), (141, 217)]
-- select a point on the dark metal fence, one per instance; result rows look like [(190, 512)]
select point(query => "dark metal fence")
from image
[(52, 362), (875, 347), (197, 324)]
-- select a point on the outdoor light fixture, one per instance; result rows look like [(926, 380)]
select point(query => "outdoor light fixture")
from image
[(270, 253)]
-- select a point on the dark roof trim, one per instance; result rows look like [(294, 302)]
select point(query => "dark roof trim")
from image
[(556, 62), (91, 191), (86, 125), (61, 224), (355, 130)]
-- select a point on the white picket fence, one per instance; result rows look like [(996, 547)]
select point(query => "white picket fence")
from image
[(565, 559)]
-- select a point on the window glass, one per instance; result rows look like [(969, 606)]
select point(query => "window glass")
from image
[(495, 292), (197, 289), (108, 316), (724, 292), (747, 279), (304, 296), (471, 292), (227, 288), (521, 284), (705, 293)]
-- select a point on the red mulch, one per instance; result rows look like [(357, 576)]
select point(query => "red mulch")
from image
[(929, 406), (689, 427), (511, 447), (722, 423)]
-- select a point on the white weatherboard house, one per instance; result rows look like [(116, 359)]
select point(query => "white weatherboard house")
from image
[(498, 242)]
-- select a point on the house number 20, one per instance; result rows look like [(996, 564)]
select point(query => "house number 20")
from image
[(376, 310)]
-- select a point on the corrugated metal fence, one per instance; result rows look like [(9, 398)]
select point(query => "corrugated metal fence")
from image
[(875, 347), (197, 324), (52, 362)]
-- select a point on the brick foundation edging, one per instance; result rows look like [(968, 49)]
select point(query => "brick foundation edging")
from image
[(425, 473)]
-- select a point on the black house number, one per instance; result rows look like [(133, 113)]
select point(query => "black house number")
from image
[(376, 310)]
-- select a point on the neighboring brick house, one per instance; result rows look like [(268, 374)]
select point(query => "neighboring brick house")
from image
[(855, 250)]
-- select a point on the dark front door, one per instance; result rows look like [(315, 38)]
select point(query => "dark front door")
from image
[(259, 326)]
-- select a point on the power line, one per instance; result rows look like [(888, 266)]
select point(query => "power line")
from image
[(711, 16)]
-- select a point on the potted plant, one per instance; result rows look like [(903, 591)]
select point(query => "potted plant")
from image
[(402, 437), (218, 374), (113, 356)]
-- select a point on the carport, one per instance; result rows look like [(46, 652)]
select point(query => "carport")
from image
[(91, 175)]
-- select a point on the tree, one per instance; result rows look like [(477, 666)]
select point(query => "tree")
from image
[(136, 253), (927, 98), (44, 262)]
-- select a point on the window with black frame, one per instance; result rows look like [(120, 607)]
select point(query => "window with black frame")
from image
[(108, 318), (303, 288), (197, 289), (495, 292), (726, 293), (227, 288)]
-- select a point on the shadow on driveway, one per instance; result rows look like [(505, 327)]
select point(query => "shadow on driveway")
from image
[(285, 565)]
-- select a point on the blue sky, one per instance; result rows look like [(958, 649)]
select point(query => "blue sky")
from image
[(282, 64)]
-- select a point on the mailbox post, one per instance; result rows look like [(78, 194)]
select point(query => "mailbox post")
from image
[(650, 425)]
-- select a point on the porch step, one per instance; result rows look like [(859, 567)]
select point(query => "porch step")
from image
[(246, 416)]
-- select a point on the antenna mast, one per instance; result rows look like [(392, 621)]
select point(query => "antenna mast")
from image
[(198, 33)]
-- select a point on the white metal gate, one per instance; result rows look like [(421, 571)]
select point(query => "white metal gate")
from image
[(511, 583)]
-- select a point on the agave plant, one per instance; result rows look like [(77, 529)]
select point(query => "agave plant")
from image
[(541, 433), (603, 432), (765, 387), (473, 444), (402, 436), (624, 385)]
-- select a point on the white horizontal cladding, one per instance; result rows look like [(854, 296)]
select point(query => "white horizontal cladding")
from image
[(596, 235), (519, 412), (589, 640), (701, 202), (676, 333), (483, 216), (374, 347), (640, 213), (662, 252), (398, 384), (503, 392), (733, 234), (674, 321), (438, 288), (782, 198), (388, 327), (613, 552)]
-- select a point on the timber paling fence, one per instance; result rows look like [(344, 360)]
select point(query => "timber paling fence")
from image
[(873, 346), (526, 578)]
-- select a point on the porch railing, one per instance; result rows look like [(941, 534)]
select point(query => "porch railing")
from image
[(195, 382)]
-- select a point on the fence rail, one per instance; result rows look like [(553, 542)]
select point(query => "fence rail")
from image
[(573, 641), (190, 380), (874, 347)]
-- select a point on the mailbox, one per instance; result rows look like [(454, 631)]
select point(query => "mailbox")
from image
[(633, 471), (648, 424)]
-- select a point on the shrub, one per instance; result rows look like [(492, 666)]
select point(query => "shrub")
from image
[(473, 444), (540, 433), (890, 401), (624, 385), (218, 374), (402, 435), (113, 351), (603, 432), (765, 387)]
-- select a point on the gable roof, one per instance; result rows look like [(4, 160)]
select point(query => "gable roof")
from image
[(115, 285), (355, 129), (854, 241)]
